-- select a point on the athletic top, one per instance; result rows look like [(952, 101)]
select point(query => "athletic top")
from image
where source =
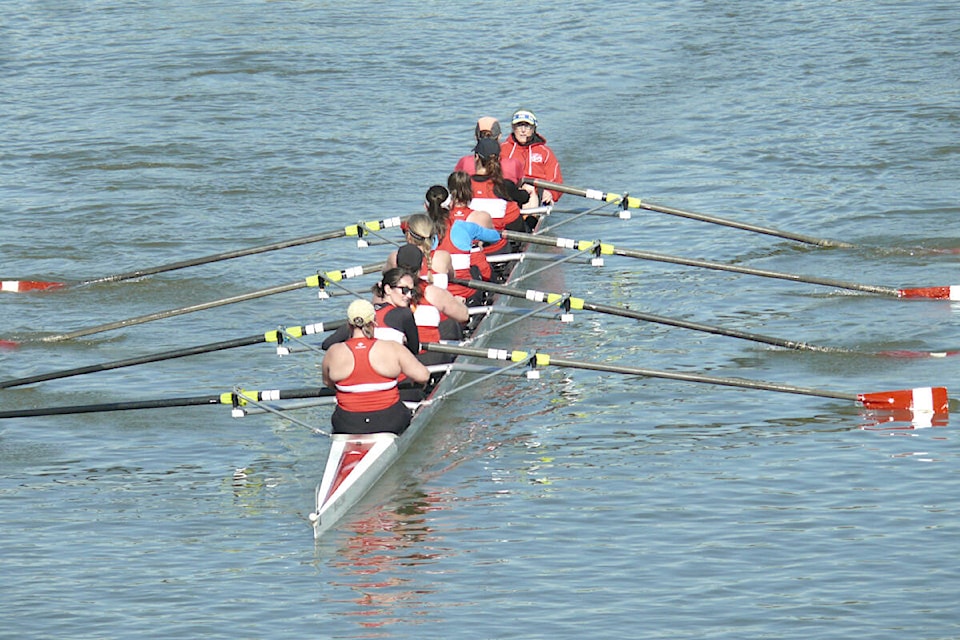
[(502, 204), (393, 323), (365, 389), (469, 262)]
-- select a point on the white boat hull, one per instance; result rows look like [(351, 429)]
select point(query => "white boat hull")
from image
[(356, 462)]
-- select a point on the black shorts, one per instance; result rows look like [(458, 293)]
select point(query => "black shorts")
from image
[(393, 419)]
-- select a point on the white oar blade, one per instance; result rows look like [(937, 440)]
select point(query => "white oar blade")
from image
[(934, 293), (921, 399)]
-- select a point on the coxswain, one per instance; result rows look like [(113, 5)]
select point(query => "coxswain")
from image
[(364, 371), (539, 162)]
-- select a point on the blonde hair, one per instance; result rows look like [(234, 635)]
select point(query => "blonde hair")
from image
[(421, 228)]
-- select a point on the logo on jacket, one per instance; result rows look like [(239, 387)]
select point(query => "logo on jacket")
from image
[(536, 157)]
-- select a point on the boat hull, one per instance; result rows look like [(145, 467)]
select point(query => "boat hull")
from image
[(356, 462)]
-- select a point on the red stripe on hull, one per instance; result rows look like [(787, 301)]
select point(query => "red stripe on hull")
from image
[(353, 453)]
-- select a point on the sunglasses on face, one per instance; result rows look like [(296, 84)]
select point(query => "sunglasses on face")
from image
[(407, 291)]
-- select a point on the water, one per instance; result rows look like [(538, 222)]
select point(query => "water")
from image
[(577, 505)]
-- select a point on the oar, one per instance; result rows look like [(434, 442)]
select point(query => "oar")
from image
[(922, 399), (637, 203), (159, 403), (269, 336), (579, 303), (311, 281), (359, 229), (936, 293)]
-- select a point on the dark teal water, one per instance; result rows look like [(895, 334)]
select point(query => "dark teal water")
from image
[(577, 505)]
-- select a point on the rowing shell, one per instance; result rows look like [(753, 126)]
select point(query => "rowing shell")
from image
[(356, 462)]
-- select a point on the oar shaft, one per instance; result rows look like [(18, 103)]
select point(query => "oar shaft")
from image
[(649, 317), (129, 362), (79, 333), (112, 406), (637, 203), (649, 373), (226, 255), (312, 281), (706, 264), (160, 403)]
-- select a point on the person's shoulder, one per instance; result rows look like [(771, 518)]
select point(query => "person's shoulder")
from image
[(337, 349)]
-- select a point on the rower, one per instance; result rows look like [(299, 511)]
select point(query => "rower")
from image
[(364, 372), (496, 195), (421, 233), (395, 320), (488, 127), (438, 313), (467, 230)]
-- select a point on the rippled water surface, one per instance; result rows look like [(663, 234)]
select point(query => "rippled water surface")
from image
[(575, 505)]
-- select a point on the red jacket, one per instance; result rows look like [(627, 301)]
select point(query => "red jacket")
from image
[(537, 158)]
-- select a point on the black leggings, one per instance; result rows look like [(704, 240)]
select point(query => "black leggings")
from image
[(393, 419)]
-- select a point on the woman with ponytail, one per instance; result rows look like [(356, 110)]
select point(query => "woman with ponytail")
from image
[(365, 372), (467, 231), (421, 233), (496, 195)]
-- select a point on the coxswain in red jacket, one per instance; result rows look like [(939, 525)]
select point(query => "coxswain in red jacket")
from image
[(530, 148), (364, 372)]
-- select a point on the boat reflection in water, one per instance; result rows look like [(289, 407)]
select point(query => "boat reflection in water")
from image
[(378, 544)]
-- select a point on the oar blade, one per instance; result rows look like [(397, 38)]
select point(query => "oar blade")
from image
[(24, 286), (934, 293), (921, 399), (906, 353), (904, 420)]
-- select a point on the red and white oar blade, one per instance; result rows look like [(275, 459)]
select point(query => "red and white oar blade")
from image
[(906, 353), (921, 399), (7, 345), (904, 420), (934, 293), (22, 286)]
